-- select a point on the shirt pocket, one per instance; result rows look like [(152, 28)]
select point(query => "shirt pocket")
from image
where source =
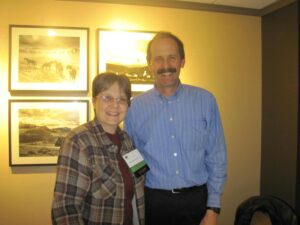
[(104, 182), (199, 133)]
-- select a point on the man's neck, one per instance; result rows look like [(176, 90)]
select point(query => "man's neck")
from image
[(167, 91)]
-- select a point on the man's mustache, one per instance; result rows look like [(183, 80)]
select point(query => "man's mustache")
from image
[(166, 70)]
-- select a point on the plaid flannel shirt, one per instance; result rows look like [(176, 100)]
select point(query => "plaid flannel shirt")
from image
[(89, 188)]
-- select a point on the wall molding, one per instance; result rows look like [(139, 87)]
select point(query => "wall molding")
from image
[(198, 6)]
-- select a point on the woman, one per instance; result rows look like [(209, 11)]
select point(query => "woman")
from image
[(93, 183)]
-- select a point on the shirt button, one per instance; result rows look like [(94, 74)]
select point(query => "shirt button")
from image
[(173, 136), (171, 119), (177, 172), (175, 154)]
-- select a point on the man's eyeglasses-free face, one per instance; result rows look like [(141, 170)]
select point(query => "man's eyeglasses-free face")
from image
[(108, 99)]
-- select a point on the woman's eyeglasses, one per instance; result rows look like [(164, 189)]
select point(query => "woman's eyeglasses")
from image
[(110, 99)]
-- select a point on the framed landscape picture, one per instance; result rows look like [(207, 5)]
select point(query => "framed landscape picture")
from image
[(37, 128), (48, 58), (125, 52)]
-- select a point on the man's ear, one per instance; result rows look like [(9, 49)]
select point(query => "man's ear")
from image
[(182, 63), (149, 67)]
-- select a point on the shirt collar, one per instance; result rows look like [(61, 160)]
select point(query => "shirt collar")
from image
[(172, 97), (99, 129)]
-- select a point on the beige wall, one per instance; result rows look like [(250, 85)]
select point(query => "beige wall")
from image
[(223, 54)]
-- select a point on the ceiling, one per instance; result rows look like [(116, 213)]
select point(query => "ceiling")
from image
[(252, 4), (244, 7)]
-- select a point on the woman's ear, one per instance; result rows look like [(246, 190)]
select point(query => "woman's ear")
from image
[(94, 99)]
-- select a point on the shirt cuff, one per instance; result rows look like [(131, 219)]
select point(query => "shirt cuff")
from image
[(214, 200)]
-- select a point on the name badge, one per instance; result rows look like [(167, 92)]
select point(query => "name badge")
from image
[(136, 162)]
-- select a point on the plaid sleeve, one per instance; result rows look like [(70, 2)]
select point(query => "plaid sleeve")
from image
[(72, 183)]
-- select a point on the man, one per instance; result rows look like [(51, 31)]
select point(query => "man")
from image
[(178, 130)]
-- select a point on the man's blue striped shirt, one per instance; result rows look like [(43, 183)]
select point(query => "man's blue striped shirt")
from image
[(181, 139)]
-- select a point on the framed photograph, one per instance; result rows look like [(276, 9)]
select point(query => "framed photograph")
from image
[(125, 52), (37, 128), (48, 58)]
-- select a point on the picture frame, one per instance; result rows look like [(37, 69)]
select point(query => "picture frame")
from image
[(124, 51), (46, 58), (37, 128)]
